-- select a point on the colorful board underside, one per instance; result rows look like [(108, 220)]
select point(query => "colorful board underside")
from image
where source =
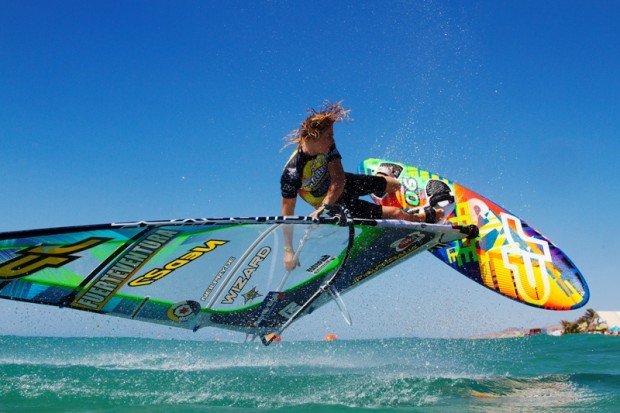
[(226, 273), (509, 256)]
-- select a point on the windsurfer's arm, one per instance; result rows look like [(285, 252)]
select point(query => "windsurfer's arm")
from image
[(288, 208), (337, 178), (336, 186)]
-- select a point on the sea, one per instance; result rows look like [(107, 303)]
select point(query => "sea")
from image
[(578, 373)]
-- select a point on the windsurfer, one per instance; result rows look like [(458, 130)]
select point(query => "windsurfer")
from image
[(315, 173)]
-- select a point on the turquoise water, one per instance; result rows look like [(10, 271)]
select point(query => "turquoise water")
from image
[(556, 374)]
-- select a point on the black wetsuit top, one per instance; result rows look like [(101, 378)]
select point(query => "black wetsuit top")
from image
[(308, 177)]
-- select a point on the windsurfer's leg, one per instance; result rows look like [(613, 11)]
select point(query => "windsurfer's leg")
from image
[(359, 208), (419, 215), (360, 185), (392, 184)]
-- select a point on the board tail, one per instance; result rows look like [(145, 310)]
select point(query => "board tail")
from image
[(509, 257)]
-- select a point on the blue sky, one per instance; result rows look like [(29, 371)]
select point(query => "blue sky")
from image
[(113, 111)]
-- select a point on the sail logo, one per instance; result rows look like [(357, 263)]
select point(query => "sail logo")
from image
[(529, 254), (415, 238), (251, 295), (183, 311), (157, 274), (103, 287), (380, 266), (41, 257), (242, 280), (217, 278), (290, 310), (318, 266)]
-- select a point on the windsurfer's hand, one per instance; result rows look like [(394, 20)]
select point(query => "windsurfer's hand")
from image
[(290, 261), (317, 212)]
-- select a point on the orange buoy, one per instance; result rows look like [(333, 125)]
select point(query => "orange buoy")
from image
[(330, 337)]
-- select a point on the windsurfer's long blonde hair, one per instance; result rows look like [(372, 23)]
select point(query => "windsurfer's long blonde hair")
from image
[(318, 121)]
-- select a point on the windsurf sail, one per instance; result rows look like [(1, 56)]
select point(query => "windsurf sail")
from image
[(195, 273)]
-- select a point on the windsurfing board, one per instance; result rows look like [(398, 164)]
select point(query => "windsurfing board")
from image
[(509, 256)]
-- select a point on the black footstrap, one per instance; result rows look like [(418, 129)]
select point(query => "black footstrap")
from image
[(430, 215)]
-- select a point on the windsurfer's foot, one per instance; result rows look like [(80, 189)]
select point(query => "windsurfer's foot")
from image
[(438, 214), (385, 170)]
